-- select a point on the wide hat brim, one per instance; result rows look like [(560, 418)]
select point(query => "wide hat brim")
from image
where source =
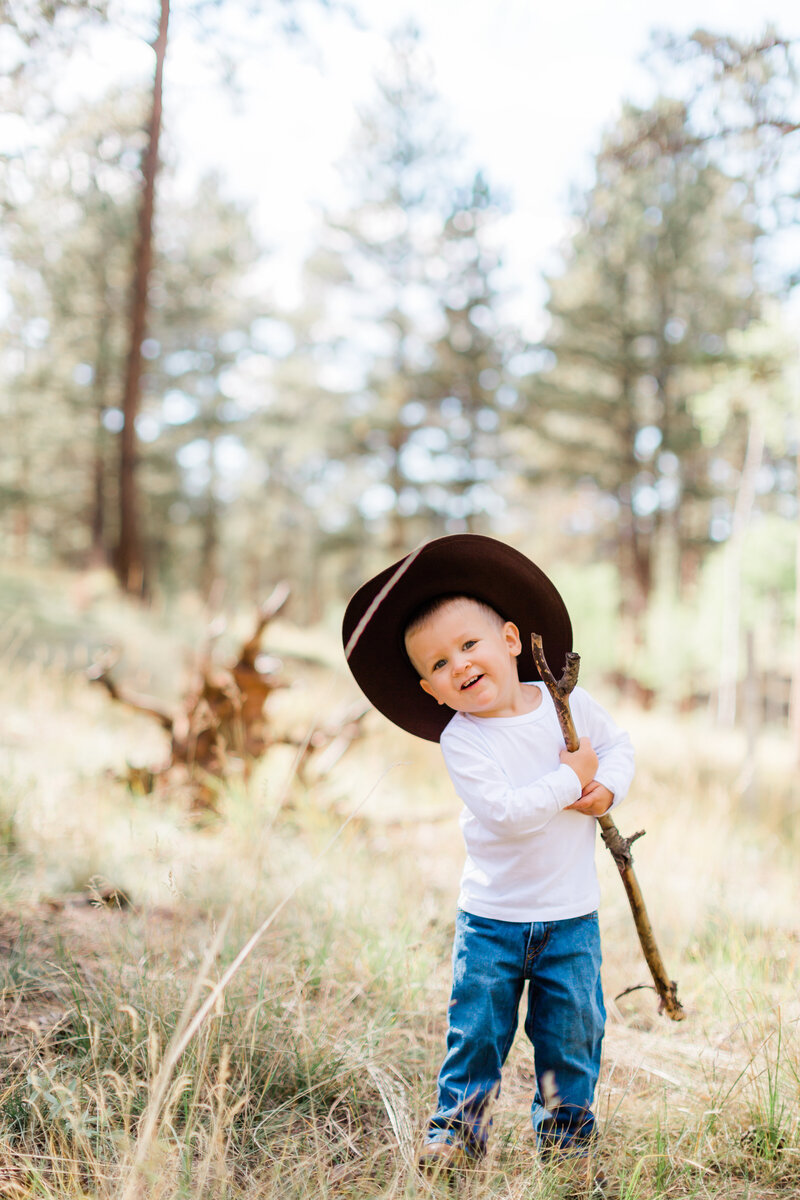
[(465, 564)]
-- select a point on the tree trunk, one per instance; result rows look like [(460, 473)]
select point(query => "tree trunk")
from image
[(98, 554), (732, 575), (129, 558), (634, 549), (634, 545), (397, 527), (209, 554), (794, 709), (22, 512)]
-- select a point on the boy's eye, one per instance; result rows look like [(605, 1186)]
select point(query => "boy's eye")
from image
[(438, 665), (469, 643)]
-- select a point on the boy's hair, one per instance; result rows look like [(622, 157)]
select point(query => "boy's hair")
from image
[(430, 607)]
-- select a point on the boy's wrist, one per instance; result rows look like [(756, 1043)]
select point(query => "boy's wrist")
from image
[(610, 788), (576, 777)]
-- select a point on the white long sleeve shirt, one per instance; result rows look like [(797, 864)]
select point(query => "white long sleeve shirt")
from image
[(528, 859)]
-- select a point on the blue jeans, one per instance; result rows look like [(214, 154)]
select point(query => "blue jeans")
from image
[(565, 1019)]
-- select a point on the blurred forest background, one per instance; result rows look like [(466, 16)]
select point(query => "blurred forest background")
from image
[(227, 976), (163, 419)]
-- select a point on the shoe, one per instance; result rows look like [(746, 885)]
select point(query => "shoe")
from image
[(444, 1154)]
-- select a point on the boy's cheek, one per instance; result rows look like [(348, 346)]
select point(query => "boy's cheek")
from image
[(430, 691)]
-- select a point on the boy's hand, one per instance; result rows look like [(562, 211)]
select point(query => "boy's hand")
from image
[(583, 762), (595, 800)]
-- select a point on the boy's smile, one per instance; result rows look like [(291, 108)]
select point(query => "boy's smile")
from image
[(466, 658)]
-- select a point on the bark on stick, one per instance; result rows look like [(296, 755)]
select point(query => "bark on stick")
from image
[(619, 846)]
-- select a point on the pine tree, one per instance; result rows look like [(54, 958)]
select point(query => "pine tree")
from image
[(129, 562), (68, 220), (401, 301), (658, 272), (67, 233), (194, 411), (469, 377)]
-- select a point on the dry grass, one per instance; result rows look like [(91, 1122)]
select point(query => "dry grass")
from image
[(315, 1067)]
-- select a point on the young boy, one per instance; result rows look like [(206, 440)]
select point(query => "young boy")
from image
[(435, 642)]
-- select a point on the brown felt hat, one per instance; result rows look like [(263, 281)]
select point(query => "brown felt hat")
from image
[(465, 564)]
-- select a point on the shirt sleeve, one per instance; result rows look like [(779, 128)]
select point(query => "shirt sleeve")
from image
[(611, 744), (487, 792)]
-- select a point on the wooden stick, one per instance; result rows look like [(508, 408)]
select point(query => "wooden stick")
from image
[(619, 846)]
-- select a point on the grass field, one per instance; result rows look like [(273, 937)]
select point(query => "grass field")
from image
[(313, 1068)]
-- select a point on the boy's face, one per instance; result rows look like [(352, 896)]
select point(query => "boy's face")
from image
[(466, 659)]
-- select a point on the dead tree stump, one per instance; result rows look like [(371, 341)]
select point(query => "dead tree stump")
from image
[(221, 728)]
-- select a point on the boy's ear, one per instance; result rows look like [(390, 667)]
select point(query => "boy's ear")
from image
[(426, 687), (513, 640)]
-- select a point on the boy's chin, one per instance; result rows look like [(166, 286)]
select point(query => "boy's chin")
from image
[(474, 709), (456, 704)]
